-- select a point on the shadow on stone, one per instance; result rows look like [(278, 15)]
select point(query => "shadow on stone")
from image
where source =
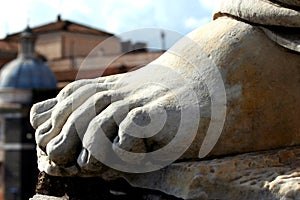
[(93, 189)]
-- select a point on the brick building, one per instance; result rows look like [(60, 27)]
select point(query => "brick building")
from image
[(65, 45)]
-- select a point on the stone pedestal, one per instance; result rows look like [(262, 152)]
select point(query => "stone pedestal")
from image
[(267, 175), (264, 175)]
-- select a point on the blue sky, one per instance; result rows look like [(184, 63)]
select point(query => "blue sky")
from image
[(115, 16)]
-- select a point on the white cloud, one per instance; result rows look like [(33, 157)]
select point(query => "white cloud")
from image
[(70, 6), (138, 3), (65, 6), (193, 23), (209, 4), (14, 15)]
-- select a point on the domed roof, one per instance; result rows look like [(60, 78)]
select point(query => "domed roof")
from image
[(26, 71), (26, 74)]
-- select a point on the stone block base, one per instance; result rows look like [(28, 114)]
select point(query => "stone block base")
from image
[(268, 175)]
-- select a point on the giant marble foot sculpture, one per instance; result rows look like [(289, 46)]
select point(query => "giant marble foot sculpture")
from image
[(237, 71)]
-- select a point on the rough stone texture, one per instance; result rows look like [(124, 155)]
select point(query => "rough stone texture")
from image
[(266, 175), (285, 37), (262, 12), (261, 80), (289, 2), (258, 73), (280, 23), (45, 197)]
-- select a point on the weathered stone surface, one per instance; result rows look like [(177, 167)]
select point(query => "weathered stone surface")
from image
[(262, 12), (289, 39), (289, 2), (232, 72), (255, 92), (45, 197), (274, 19), (269, 175), (266, 175)]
